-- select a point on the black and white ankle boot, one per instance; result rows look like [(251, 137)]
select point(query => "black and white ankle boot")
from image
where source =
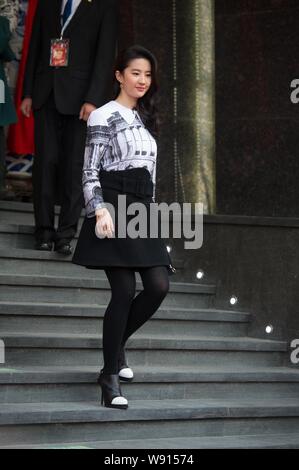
[(111, 392)]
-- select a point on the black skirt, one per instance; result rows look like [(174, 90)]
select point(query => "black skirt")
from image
[(100, 253)]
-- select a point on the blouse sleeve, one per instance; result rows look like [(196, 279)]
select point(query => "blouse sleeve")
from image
[(97, 144), (154, 182)]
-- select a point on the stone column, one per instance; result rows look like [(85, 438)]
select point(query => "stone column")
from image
[(193, 101), (181, 34)]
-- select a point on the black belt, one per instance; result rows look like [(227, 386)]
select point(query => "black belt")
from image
[(122, 183)]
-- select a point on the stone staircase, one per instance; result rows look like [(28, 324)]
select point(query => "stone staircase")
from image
[(200, 381)]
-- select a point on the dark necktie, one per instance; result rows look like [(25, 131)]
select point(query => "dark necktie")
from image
[(67, 11)]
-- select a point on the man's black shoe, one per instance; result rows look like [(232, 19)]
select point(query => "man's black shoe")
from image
[(63, 248), (44, 246)]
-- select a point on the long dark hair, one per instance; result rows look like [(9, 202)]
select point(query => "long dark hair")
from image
[(146, 106)]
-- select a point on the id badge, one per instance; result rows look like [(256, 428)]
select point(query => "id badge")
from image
[(59, 52)]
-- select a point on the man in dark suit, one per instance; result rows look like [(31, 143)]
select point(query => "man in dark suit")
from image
[(68, 72)]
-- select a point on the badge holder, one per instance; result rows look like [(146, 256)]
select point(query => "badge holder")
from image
[(59, 56)]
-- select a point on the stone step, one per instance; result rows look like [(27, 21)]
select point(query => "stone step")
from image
[(259, 441), (42, 263), (11, 214), (78, 384), (25, 261), (21, 317), (21, 236), (40, 423), (26, 207), (55, 349), (30, 288), (22, 213)]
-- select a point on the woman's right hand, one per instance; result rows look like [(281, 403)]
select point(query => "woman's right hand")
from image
[(104, 226), (26, 107)]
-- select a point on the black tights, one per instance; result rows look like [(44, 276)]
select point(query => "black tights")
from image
[(126, 314)]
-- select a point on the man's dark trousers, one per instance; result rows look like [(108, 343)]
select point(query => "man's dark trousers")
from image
[(59, 141)]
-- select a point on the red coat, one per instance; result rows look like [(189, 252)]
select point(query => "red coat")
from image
[(21, 135)]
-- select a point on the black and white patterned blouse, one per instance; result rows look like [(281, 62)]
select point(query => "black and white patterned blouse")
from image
[(116, 140)]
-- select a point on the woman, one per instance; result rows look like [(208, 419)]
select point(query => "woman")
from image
[(120, 159)]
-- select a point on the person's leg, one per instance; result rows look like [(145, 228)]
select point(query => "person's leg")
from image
[(123, 288), (44, 169), (72, 155), (156, 286)]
